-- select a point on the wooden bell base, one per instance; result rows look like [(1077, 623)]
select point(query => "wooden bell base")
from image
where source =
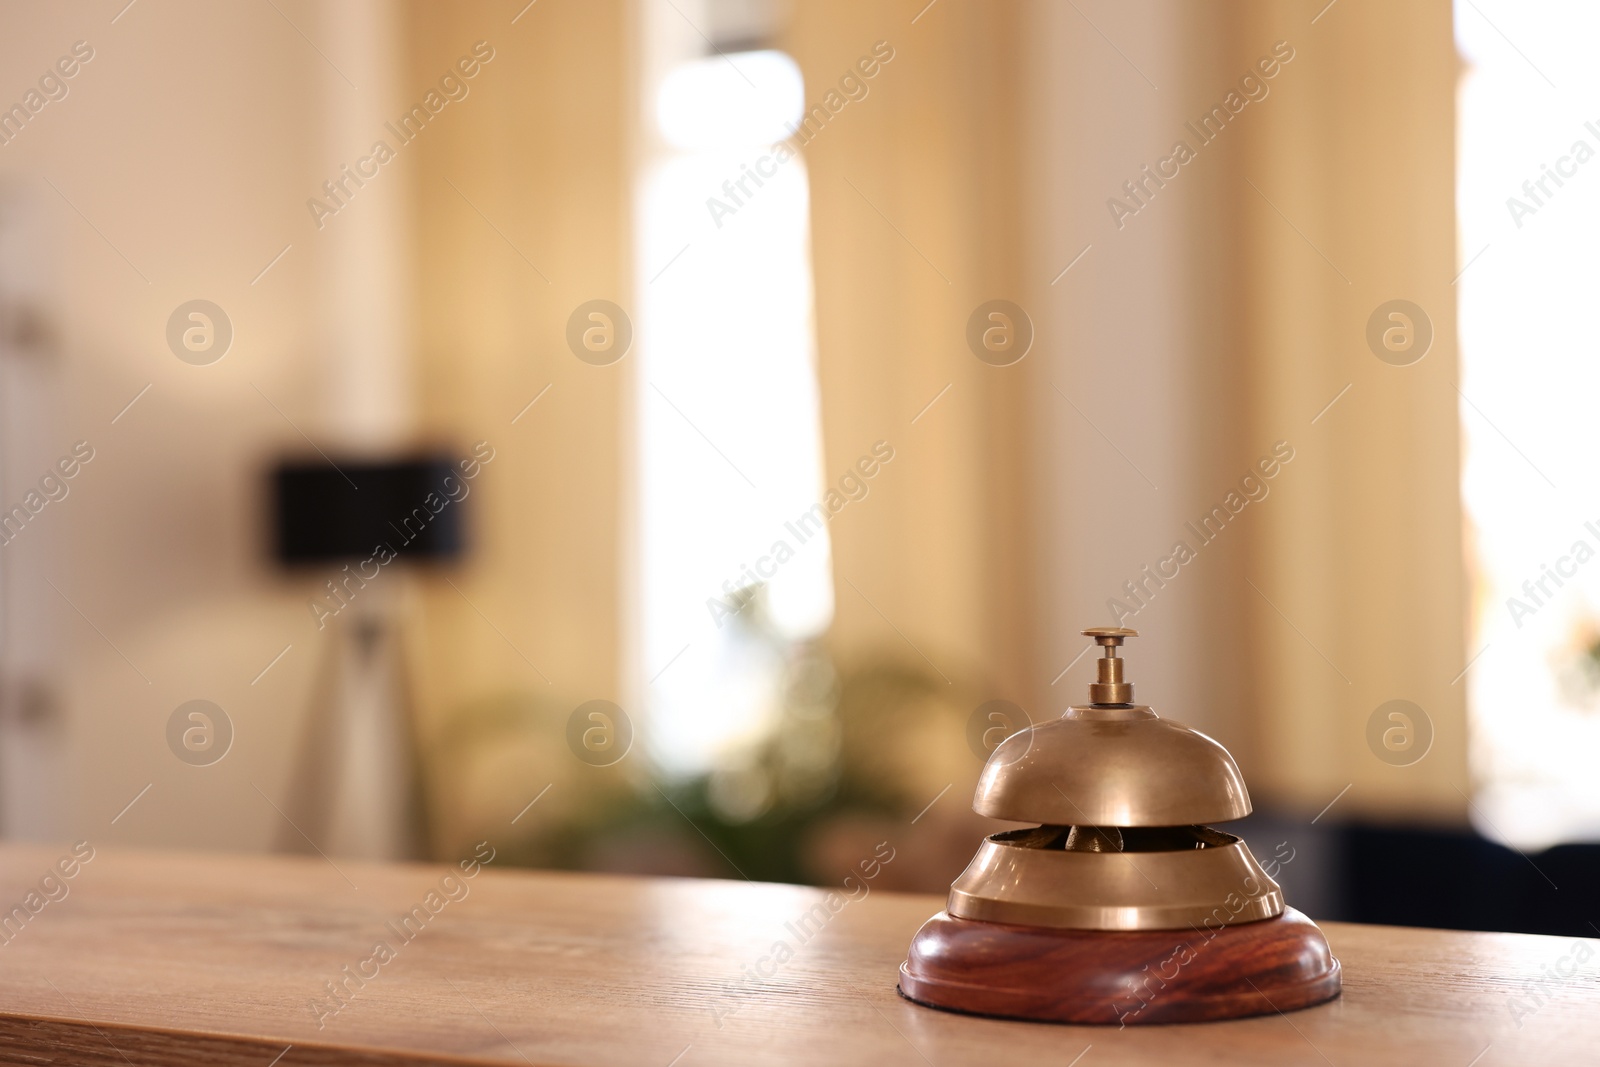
[(1119, 977)]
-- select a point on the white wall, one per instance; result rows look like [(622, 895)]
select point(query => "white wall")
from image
[(187, 147), (1131, 335)]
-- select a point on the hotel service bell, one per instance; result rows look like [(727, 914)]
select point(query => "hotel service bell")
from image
[(1121, 904)]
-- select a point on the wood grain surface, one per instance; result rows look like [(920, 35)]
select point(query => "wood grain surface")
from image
[(190, 958)]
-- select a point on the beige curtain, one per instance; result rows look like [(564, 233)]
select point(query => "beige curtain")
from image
[(1363, 559), (913, 227), (522, 205)]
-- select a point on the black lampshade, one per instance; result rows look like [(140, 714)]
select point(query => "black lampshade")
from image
[(327, 511)]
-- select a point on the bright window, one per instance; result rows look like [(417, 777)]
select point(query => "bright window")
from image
[(729, 444), (1529, 208)]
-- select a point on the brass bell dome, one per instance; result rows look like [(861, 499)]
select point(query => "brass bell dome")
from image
[(1121, 797), (1113, 763)]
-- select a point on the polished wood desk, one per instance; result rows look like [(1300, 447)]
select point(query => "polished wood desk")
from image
[(189, 958)]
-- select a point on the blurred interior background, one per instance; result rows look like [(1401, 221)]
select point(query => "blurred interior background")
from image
[(733, 522)]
